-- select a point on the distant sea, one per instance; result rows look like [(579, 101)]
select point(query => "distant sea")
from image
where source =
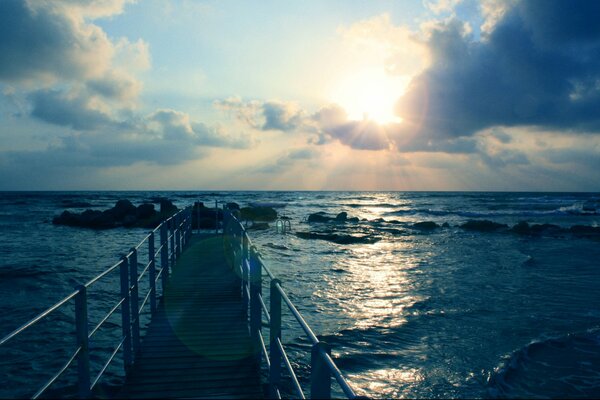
[(434, 313)]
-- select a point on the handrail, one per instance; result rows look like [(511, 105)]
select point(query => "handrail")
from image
[(38, 318), (168, 251), (323, 368)]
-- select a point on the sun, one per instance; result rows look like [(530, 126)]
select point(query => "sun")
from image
[(369, 93)]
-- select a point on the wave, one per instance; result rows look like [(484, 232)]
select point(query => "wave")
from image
[(569, 365)]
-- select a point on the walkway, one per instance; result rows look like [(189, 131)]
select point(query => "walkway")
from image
[(198, 343)]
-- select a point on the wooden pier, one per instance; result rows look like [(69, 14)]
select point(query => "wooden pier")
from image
[(205, 338), (198, 343)]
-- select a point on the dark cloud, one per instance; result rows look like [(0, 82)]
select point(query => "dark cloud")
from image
[(539, 66), (38, 41), (56, 107)]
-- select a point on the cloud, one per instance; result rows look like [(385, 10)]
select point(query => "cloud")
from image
[(176, 125), (292, 158), (265, 115), (38, 40), (58, 108), (538, 66)]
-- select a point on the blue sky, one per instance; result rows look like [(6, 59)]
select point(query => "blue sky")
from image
[(315, 95)]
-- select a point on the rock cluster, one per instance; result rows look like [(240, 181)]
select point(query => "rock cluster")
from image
[(323, 217), (123, 214)]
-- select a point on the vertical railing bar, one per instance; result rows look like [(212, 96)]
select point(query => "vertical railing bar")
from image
[(217, 218), (134, 301), (172, 241), (320, 375), (255, 307), (125, 316), (164, 256), (152, 273), (82, 328), (274, 335)]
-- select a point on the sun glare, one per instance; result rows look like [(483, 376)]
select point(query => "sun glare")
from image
[(370, 93)]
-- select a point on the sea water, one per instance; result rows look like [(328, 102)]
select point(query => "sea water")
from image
[(446, 312)]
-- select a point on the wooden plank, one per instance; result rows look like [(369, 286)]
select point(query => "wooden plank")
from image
[(197, 344)]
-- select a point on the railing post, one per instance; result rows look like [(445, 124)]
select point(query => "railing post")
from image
[(245, 273), (178, 233), (255, 306), (164, 255), (274, 335), (172, 241), (320, 375), (125, 316), (217, 218), (152, 272), (134, 301), (81, 327)]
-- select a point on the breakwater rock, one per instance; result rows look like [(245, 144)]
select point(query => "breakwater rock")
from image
[(123, 214), (336, 238), (261, 213), (323, 217)]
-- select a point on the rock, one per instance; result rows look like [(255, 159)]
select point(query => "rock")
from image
[(483, 226), (335, 238), (425, 225), (523, 228), (145, 210), (264, 214), (233, 206), (341, 217), (319, 217), (167, 207), (122, 214), (323, 217), (205, 218)]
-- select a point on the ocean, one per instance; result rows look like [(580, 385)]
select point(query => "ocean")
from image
[(418, 311)]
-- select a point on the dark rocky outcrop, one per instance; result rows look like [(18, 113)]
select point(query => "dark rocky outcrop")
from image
[(483, 226), (321, 216), (425, 226), (123, 214), (335, 238), (523, 228), (262, 214), (204, 217)]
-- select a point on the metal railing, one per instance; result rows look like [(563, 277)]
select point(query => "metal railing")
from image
[(249, 265), (174, 234)]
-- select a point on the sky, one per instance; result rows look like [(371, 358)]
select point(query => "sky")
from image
[(490, 95)]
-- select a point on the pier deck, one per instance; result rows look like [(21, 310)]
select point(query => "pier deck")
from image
[(198, 343)]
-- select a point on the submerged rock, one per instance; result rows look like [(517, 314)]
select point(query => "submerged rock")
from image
[(483, 226), (335, 238), (425, 226), (321, 216), (523, 228)]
